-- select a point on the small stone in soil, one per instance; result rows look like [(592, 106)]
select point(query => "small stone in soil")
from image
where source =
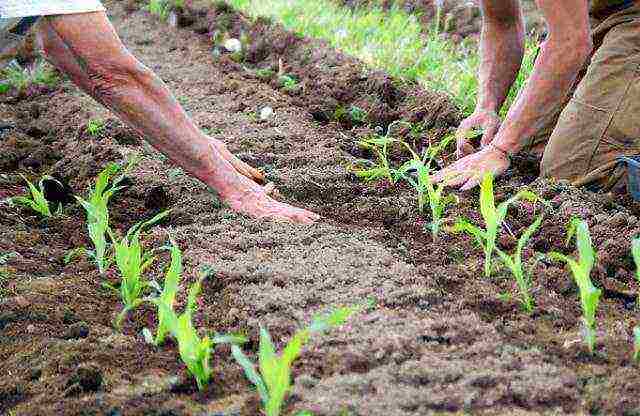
[(76, 331), (87, 378), (35, 373)]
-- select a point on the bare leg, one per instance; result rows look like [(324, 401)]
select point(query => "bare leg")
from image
[(86, 47)]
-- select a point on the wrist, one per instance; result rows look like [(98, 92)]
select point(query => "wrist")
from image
[(505, 152), (490, 108)]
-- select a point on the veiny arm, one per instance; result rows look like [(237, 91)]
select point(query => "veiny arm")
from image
[(86, 47), (501, 53), (567, 48)]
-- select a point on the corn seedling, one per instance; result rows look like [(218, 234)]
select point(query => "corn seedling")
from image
[(273, 377), (514, 263), (493, 217), (421, 181), (581, 269), (288, 82), (97, 211), (635, 251), (95, 127), (132, 261), (18, 78), (380, 145), (167, 297), (636, 344), (194, 351), (358, 115), (36, 201)]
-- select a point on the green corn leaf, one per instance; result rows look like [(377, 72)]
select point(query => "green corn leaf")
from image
[(581, 270), (36, 201), (526, 236), (250, 372), (463, 225), (169, 291), (487, 201), (267, 359), (635, 251), (192, 298), (333, 319)]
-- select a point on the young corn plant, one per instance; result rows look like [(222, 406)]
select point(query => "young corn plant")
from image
[(273, 376), (194, 351), (514, 263), (97, 211), (581, 269), (635, 251), (167, 297), (132, 261), (417, 172), (96, 127), (380, 146), (16, 77), (36, 201), (493, 217)]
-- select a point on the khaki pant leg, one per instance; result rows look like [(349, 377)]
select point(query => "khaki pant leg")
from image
[(601, 121)]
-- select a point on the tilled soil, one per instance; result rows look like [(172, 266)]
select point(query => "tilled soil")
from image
[(440, 338)]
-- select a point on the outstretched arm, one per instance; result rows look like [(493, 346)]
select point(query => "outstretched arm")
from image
[(501, 53), (86, 47)]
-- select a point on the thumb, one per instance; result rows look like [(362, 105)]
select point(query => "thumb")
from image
[(490, 132)]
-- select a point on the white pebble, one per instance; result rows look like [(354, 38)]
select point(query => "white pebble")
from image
[(233, 45), (266, 113)]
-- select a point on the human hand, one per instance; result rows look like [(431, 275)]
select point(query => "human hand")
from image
[(486, 121), (468, 172), (242, 168)]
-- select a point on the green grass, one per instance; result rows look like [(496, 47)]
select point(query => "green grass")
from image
[(391, 40)]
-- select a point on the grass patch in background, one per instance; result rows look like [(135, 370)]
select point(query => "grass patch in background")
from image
[(391, 40)]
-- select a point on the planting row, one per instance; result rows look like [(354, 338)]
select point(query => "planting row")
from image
[(419, 171), (272, 377)]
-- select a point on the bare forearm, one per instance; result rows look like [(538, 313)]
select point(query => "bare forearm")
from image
[(501, 51), (554, 74)]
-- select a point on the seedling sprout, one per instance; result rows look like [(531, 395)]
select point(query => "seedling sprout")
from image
[(167, 297), (36, 201), (132, 261), (273, 376), (514, 263), (96, 207), (195, 351), (493, 218), (417, 172), (581, 269)]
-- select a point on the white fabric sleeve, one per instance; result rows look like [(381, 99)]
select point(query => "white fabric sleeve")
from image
[(25, 8)]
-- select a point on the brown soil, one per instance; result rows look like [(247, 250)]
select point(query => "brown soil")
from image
[(440, 340)]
